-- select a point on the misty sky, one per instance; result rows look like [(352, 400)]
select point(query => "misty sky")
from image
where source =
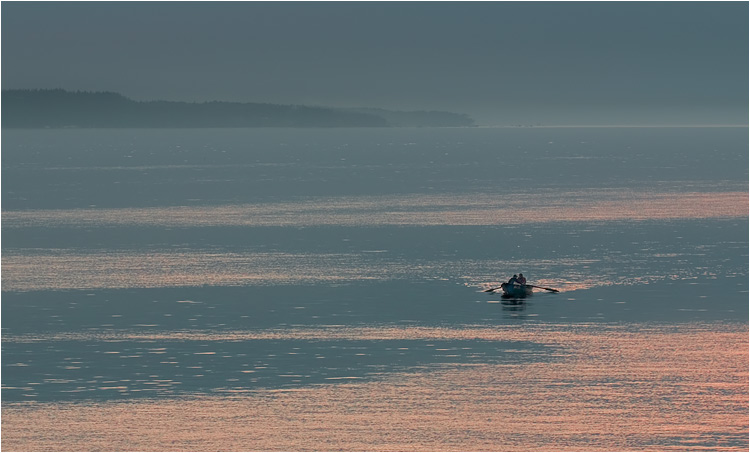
[(502, 63)]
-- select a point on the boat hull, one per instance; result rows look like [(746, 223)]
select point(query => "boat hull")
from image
[(516, 290)]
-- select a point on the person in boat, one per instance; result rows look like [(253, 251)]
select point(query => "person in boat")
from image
[(513, 280), (521, 279)]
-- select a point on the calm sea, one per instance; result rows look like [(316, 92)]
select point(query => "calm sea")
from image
[(322, 289)]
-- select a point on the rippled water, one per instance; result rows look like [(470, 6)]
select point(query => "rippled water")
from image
[(682, 388), (212, 289), (425, 210)]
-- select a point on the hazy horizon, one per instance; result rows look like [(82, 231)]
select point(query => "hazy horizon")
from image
[(560, 63)]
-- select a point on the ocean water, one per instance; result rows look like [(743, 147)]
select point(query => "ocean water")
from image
[(323, 289)]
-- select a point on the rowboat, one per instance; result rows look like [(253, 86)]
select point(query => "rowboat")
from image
[(516, 290)]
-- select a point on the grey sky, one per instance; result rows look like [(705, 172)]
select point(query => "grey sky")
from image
[(502, 63)]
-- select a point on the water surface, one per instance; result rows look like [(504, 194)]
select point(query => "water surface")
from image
[(211, 289)]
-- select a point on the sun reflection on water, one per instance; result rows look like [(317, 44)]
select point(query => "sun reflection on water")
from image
[(618, 387), (45, 269), (425, 210)]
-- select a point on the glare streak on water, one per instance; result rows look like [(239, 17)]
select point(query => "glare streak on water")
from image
[(617, 388), (546, 333), (426, 210), (39, 269), (61, 269)]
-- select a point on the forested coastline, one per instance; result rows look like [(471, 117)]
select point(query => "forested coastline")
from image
[(59, 108)]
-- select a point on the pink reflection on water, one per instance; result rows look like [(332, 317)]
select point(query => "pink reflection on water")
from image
[(475, 209), (67, 269), (613, 389)]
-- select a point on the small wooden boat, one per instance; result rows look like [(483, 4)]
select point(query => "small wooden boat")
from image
[(516, 290)]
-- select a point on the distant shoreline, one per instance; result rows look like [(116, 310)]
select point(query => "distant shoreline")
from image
[(622, 126), (61, 109)]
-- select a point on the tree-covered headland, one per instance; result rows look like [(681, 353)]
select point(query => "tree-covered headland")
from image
[(59, 108)]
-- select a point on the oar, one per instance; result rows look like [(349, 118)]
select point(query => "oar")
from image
[(533, 286), (542, 287)]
